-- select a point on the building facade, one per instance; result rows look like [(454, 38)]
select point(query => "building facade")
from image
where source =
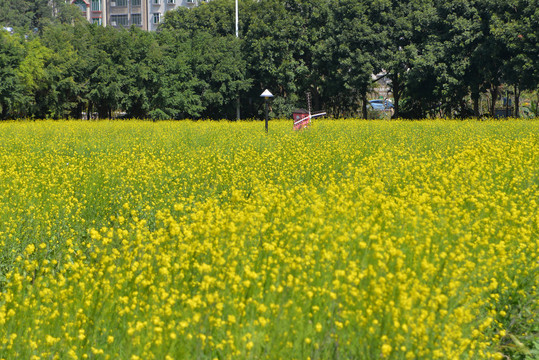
[(125, 13), (158, 8), (146, 14)]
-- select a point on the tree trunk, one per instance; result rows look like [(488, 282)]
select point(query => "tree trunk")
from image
[(102, 111), (517, 101), (76, 112), (475, 98), (316, 103), (494, 96), (396, 88), (476, 107), (364, 105)]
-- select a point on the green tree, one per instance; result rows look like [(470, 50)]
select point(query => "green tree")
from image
[(218, 65), (454, 35), (66, 13), (16, 13), (143, 50), (107, 67), (286, 51), (215, 17), (404, 37), (207, 71), (32, 73), (487, 55), (12, 94), (63, 93), (175, 86), (515, 31), (353, 48), (269, 52), (26, 14)]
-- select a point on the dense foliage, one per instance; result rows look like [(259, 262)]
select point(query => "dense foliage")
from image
[(440, 56), (212, 240)]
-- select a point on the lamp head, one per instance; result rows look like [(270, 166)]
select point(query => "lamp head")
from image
[(266, 94)]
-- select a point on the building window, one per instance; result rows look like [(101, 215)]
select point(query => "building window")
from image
[(156, 2), (171, 1), (121, 2), (81, 4), (119, 20), (96, 5), (156, 18), (135, 2), (97, 21), (136, 19)]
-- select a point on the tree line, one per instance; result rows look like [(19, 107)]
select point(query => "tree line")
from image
[(441, 57)]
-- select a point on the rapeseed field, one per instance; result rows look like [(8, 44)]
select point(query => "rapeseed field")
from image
[(212, 240)]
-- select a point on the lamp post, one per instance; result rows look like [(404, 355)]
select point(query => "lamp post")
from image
[(266, 95), (237, 19)]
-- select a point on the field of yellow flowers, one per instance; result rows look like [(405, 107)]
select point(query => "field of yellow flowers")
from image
[(212, 240)]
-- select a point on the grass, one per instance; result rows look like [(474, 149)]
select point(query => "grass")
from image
[(352, 239)]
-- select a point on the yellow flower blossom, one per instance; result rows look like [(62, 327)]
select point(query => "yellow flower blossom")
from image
[(193, 239)]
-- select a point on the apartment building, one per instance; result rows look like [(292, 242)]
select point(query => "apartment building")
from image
[(146, 14), (124, 13), (93, 10)]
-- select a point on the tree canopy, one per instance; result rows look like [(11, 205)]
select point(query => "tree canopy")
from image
[(441, 58)]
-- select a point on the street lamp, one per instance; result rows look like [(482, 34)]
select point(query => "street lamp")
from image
[(237, 19), (266, 95)]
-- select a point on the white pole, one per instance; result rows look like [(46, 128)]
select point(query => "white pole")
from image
[(237, 19)]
